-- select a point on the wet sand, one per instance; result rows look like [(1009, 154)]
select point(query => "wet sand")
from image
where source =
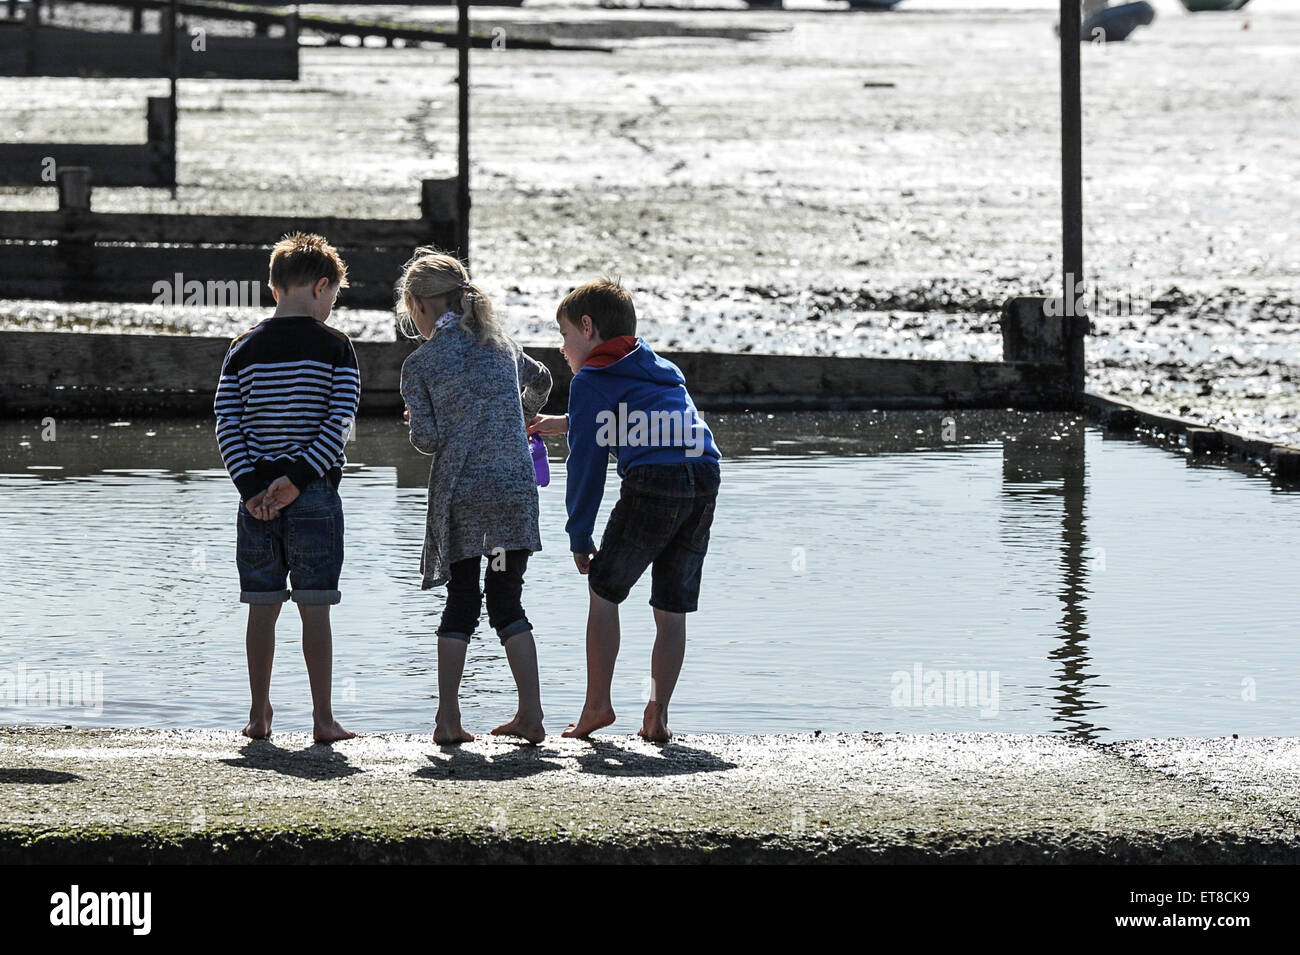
[(831, 184)]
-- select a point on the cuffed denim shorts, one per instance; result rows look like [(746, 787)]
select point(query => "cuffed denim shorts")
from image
[(661, 520), (303, 547)]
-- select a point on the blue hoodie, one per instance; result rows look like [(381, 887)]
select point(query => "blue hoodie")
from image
[(638, 408)]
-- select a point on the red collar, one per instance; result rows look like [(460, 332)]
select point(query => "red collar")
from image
[(606, 353)]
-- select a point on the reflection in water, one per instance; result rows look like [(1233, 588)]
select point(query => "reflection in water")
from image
[(1043, 474)]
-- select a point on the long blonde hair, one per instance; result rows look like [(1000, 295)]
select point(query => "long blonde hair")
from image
[(431, 273)]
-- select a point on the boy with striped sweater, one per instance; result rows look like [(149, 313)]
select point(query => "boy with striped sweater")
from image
[(285, 406)]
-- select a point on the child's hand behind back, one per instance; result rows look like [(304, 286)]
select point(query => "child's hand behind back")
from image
[(280, 494), (256, 506)]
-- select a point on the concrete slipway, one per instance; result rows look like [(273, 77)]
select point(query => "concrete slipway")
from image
[(212, 796)]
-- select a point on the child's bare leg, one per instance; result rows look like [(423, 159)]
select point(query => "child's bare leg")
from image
[(318, 651), (259, 642), (665, 666), (602, 652), (521, 651), (451, 666)]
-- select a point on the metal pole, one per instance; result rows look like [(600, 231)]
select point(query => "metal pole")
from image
[(1072, 188), (462, 184)]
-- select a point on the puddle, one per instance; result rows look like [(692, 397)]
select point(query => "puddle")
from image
[(895, 571)]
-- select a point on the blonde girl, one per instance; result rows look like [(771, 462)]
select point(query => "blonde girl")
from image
[(469, 388)]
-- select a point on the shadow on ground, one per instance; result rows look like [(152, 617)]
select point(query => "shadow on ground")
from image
[(606, 759), (672, 759), (37, 777), (519, 763), (315, 762)]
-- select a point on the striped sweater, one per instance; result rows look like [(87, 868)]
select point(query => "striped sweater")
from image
[(286, 402)]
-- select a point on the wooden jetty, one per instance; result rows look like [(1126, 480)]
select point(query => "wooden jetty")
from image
[(29, 47), (119, 257), (376, 3), (152, 163), (335, 29), (77, 373), (97, 374), (84, 373)]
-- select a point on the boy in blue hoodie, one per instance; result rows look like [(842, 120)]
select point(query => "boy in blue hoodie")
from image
[(627, 401)]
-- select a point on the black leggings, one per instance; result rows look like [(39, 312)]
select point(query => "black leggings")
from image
[(504, 585)]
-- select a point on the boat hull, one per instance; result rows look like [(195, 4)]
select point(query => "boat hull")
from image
[(1201, 6), (1115, 24)]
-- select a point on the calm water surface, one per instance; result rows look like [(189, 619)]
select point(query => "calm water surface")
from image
[(865, 574)]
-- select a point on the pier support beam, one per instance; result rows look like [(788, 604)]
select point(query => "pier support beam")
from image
[(1072, 185), (462, 194), (74, 189), (1030, 333)]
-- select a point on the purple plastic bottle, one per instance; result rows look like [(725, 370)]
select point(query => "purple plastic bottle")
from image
[(540, 464)]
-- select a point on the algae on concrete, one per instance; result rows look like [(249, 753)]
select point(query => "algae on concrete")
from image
[(213, 796)]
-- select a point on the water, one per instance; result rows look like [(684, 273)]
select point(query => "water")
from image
[(1096, 587)]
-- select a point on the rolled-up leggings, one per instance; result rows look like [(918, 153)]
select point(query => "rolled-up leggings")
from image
[(503, 585)]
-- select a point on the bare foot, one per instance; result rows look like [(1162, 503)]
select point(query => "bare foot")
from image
[(449, 732), (330, 732), (259, 724), (588, 722), (527, 727), (655, 725)]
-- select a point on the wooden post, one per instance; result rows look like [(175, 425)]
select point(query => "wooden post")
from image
[(1203, 440), (170, 26), (438, 199), (73, 183), (1072, 191), (30, 29), (462, 192), (1030, 333), (291, 39), (161, 122), (1285, 463)]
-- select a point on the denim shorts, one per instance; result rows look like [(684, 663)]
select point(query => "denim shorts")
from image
[(303, 544), (661, 520)]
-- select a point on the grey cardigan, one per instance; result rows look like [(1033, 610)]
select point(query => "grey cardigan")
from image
[(468, 406)]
